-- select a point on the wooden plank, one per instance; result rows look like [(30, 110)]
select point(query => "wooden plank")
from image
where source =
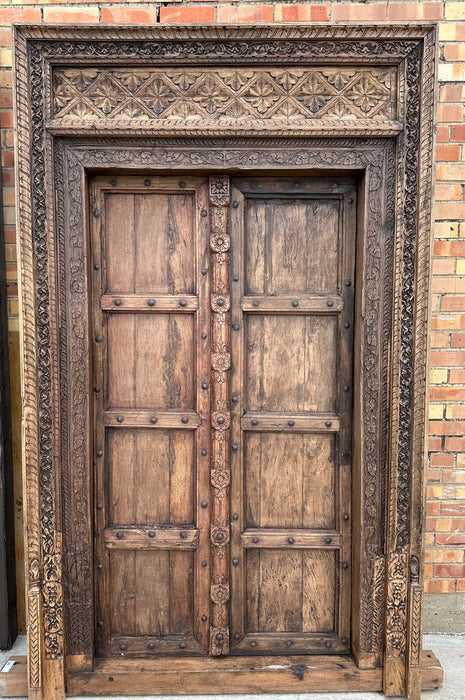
[(291, 422), (319, 610), (291, 641), (274, 538), (153, 419), (155, 303), (151, 537), (280, 571), (293, 305)]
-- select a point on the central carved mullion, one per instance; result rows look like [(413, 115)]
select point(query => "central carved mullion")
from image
[(220, 416)]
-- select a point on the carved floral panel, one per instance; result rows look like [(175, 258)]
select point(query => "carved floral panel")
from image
[(226, 96)]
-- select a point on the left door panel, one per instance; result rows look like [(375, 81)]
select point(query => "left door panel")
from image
[(150, 312)]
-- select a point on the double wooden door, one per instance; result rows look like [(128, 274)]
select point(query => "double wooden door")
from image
[(222, 314)]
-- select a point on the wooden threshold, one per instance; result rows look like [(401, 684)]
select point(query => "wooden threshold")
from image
[(197, 676)]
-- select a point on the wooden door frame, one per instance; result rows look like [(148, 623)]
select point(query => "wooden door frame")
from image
[(56, 148)]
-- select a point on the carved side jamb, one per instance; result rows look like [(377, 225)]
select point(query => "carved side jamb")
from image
[(220, 413), (30, 441)]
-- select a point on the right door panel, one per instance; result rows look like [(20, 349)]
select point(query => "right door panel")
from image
[(293, 272)]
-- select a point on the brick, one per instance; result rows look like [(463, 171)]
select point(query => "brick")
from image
[(449, 570), (448, 492), (451, 72), (429, 540), (428, 570), (8, 174), (190, 15), (442, 134), (358, 11), (446, 229), (454, 52), (18, 14), (448, 285), (301, 13), (415, 10), (440, 340), (10, 234), (6, 37), (457, 132), (457, 340), (9, 195), (245, 13), (451, 93), (145, 15), (448, 192), (461, 586), (446, 393), (9, 216), (448, 358), (460, 267), (12, 289), (10, 253), (447, 152), (441, 556), (442, 322), (435, 586), (434, 444), (455, 171), (432, 508), (452, 32), (450, 303), (442, 459), (438, 524), (69, 15), (449, 210), (6, 79), (435, 411), (450, 539), (455, 10), (455, 444), (449, 249), (454, 411), (433, 475), (450, 113), (446, 427), (453, 508), (8, 159), (444, 266)]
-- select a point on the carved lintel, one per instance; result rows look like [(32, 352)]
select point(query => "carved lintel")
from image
[(220, 417)]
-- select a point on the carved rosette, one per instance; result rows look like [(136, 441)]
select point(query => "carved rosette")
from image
[(220, 419)]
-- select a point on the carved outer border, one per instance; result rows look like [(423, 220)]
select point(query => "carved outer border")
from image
[(34, 49)]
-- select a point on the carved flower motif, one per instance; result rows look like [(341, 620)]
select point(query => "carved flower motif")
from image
[(220, 303), (220, 478), (62, 96), (105, 95), (219, 243), (220, 421), (313, 93), (132, 79), (365, 94), (262, 95), (219, 594), (219, 535), (157, 95), (221, 362), (210, 95)]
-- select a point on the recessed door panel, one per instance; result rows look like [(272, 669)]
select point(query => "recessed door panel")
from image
[(151, 415), (293, 258)]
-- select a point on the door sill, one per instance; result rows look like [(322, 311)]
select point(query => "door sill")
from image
[(204, 676)]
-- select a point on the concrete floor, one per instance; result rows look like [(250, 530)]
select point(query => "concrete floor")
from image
[(450, 649)]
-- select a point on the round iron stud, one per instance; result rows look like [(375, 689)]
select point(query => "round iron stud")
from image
[(99, 453), (235, 204), (290, 540), (253, 644), (348, 283), (203, 452), (96, 266), (328, 423), (345, 565), (291, 423), (185, 419), (204, 618), (113, 183), (203, 213), (183, 535), (147, 183), (346, 516), (117, 302), (255, 421), (236, 516), (151, 302), (204, 271), (234, 447), (344, 640), (183, 302), (236, 278), (98, 338), (182, 184), (120, 535), (204, 385), (151, 645), (154, 420), (329, 303), (235, 561), (236, 635), (255, 303), (97, 389), (204, 564), (235, 326), (288, 643), (219, 637), (96, 213), (328, 645), (346, 324), (295, 303), (152, 533), (183, 645), (203, 336), (100, 624), (120, 419), (255, 539), (328, 540), (204, 504)]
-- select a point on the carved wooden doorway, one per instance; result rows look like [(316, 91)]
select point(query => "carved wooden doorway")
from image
[(240, 138), (164, 428)]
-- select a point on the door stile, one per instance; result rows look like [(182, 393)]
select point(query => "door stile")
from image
[(220, 415)]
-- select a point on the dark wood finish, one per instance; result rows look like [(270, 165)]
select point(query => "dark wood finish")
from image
[(8, 616), (390, 152), (150, 414), (293, 256)]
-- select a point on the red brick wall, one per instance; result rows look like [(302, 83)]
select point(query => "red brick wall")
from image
[(445, 568)]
